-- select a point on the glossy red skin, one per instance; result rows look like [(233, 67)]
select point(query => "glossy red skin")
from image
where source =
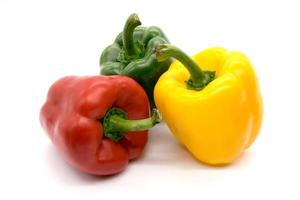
[(72, 118)]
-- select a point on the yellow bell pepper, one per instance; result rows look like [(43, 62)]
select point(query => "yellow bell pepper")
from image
[(216, 112)]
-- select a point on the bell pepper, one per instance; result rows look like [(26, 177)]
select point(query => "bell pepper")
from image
[(98, 123), (215, 111), (132, 54)]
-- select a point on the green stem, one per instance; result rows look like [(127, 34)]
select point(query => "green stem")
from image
[(116, 125), (130, 47), (198, 79)]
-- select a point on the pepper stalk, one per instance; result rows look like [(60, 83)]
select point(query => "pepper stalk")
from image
[(131, 48), (198, 79), (116, 125)]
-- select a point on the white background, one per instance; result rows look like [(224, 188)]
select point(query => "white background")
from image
[(43, 41)]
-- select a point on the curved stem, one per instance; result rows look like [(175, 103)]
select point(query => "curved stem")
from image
[(125, 125), (127, 36), (116, 124), (198, 79)]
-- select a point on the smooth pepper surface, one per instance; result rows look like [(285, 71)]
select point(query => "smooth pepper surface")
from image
[(97, 122), (132, 54), (222, 117)]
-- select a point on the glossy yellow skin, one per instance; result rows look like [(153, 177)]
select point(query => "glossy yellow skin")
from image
[(219, 122)]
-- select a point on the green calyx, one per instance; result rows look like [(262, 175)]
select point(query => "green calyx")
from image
[(199, 85), (198, 79), (116, 125)]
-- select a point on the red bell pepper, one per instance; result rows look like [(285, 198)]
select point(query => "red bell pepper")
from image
[(86, 119)]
